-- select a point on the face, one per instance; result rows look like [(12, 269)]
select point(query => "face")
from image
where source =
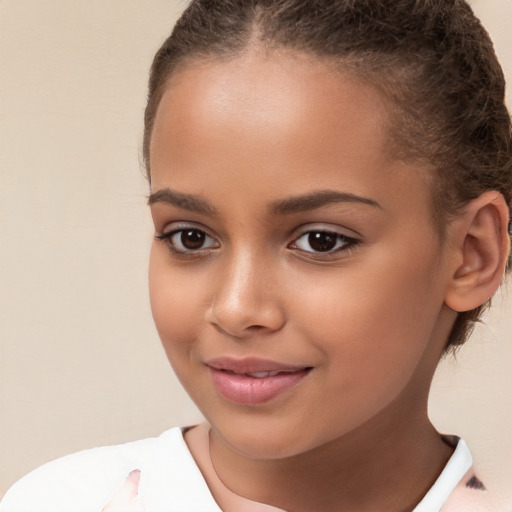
[(296, 279)]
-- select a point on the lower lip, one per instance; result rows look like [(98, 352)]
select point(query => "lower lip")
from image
[(247, 390)]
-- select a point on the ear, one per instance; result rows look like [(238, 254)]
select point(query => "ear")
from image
[(481, 245)]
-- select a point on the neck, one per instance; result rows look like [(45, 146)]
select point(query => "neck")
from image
[(392, 463)]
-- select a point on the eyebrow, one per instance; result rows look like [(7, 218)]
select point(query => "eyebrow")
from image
[(290, 205), (318, 199), (179, 199)]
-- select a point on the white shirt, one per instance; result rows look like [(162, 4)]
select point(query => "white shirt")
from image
[(171, 481)]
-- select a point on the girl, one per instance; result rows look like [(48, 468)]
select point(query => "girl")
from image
[(330, 189)]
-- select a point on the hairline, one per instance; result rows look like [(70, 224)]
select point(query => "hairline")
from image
[(351, 65)]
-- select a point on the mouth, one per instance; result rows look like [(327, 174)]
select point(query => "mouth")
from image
[(260, 375), (254, 381)]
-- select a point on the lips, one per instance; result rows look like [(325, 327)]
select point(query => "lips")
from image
[(262, 375), (253, 381)]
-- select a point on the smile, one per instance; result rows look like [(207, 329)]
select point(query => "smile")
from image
[(260, 375), (252, 381)]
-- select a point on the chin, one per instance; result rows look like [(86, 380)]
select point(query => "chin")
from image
[(262, 449), (262, 441)]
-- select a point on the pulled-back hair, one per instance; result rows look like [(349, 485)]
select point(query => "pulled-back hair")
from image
[(432, 58)]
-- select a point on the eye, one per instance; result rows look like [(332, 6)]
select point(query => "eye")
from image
[(188, 240), (320, 241)]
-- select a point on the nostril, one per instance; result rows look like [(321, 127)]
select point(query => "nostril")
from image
[(243, 332), (244, 318)]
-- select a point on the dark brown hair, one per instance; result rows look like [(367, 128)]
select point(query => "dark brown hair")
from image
[(432, 58)]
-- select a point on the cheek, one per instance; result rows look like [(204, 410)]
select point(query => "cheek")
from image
[(175, 303), (373, 325)]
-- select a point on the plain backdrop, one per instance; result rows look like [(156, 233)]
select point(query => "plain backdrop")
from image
[(81, 363)]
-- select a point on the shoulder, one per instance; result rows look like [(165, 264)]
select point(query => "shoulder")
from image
[(471, 495), (85, 480), (457, 488)]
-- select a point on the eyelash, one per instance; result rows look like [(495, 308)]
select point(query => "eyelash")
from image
[(167, 239), (343, 243)]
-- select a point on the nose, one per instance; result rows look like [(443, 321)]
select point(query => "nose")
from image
[(246, 300)]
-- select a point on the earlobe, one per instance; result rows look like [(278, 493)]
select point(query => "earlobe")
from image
[(482, 245)]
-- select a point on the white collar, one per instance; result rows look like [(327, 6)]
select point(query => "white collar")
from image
[(459, 464), (179, 481)]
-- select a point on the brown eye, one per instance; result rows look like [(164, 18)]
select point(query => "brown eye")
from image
[(188, 241), (192, 239), (322, 242)]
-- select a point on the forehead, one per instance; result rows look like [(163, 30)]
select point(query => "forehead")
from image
[(285, 118), (258, 91)]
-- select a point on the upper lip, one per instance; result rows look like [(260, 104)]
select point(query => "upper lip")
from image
[(251, 365)]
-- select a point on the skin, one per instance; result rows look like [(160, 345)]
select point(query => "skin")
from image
[(369, 317)]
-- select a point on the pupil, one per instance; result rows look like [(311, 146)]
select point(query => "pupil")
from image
[(322, 242), (192, 239)]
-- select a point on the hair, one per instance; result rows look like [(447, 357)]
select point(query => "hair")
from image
[(431, 58)]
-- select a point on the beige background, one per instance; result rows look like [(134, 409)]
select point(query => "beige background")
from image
[(81, 363)]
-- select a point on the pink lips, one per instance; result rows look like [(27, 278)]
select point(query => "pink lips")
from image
[(253, 381)]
